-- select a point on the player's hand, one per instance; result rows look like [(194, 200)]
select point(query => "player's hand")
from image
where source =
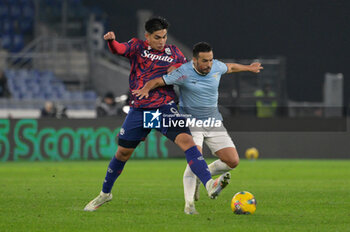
[(109, 36), (140, 93), (170, 69), (256, 67)]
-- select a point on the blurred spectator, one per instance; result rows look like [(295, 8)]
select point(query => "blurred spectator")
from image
[(4, 91), (108, 106), (265, 106), (61, 111), (49, 110)]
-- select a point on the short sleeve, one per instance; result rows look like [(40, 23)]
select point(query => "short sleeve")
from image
[(176, 77), (222, 67), (131, 47)]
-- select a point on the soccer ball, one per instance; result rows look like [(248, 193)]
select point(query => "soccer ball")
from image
[(252, 153), (243, 203)]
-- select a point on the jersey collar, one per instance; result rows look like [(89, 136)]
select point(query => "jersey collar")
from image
[(199, 73)]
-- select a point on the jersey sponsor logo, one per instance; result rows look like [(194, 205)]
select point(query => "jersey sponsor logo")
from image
[(153, 57)]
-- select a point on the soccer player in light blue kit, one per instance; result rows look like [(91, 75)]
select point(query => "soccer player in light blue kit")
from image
[(198, 82)]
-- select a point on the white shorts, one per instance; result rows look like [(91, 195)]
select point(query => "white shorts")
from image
[(215, 138)]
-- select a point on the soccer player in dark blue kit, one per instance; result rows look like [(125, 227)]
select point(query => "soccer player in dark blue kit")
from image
[(151, 59)]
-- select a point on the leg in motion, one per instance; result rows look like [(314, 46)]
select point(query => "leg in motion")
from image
[(115, 168)]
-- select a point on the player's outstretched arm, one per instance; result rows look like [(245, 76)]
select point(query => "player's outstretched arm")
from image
[(253, 67), (114, 46), (152, 84)]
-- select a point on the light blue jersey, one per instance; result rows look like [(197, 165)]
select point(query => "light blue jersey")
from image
[(198, 94)]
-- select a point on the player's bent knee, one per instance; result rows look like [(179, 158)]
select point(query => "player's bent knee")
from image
[(232, 163), (184, 141), (233, 160), (229, 156), (123, 154)]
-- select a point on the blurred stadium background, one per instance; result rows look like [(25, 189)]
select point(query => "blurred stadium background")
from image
[(53, 51)]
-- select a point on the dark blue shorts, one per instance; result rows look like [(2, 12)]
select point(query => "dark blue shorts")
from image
[(138, 123)]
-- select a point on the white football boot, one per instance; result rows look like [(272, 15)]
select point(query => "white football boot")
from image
[(190, 209), (98, 201), (214, 187)]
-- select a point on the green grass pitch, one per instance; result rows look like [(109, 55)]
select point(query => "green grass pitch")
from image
[(292, 195)]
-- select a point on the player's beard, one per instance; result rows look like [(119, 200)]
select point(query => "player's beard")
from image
[(205, 71)]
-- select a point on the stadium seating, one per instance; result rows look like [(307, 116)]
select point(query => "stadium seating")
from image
[(16, 23), (43, 85), (29, 88)]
